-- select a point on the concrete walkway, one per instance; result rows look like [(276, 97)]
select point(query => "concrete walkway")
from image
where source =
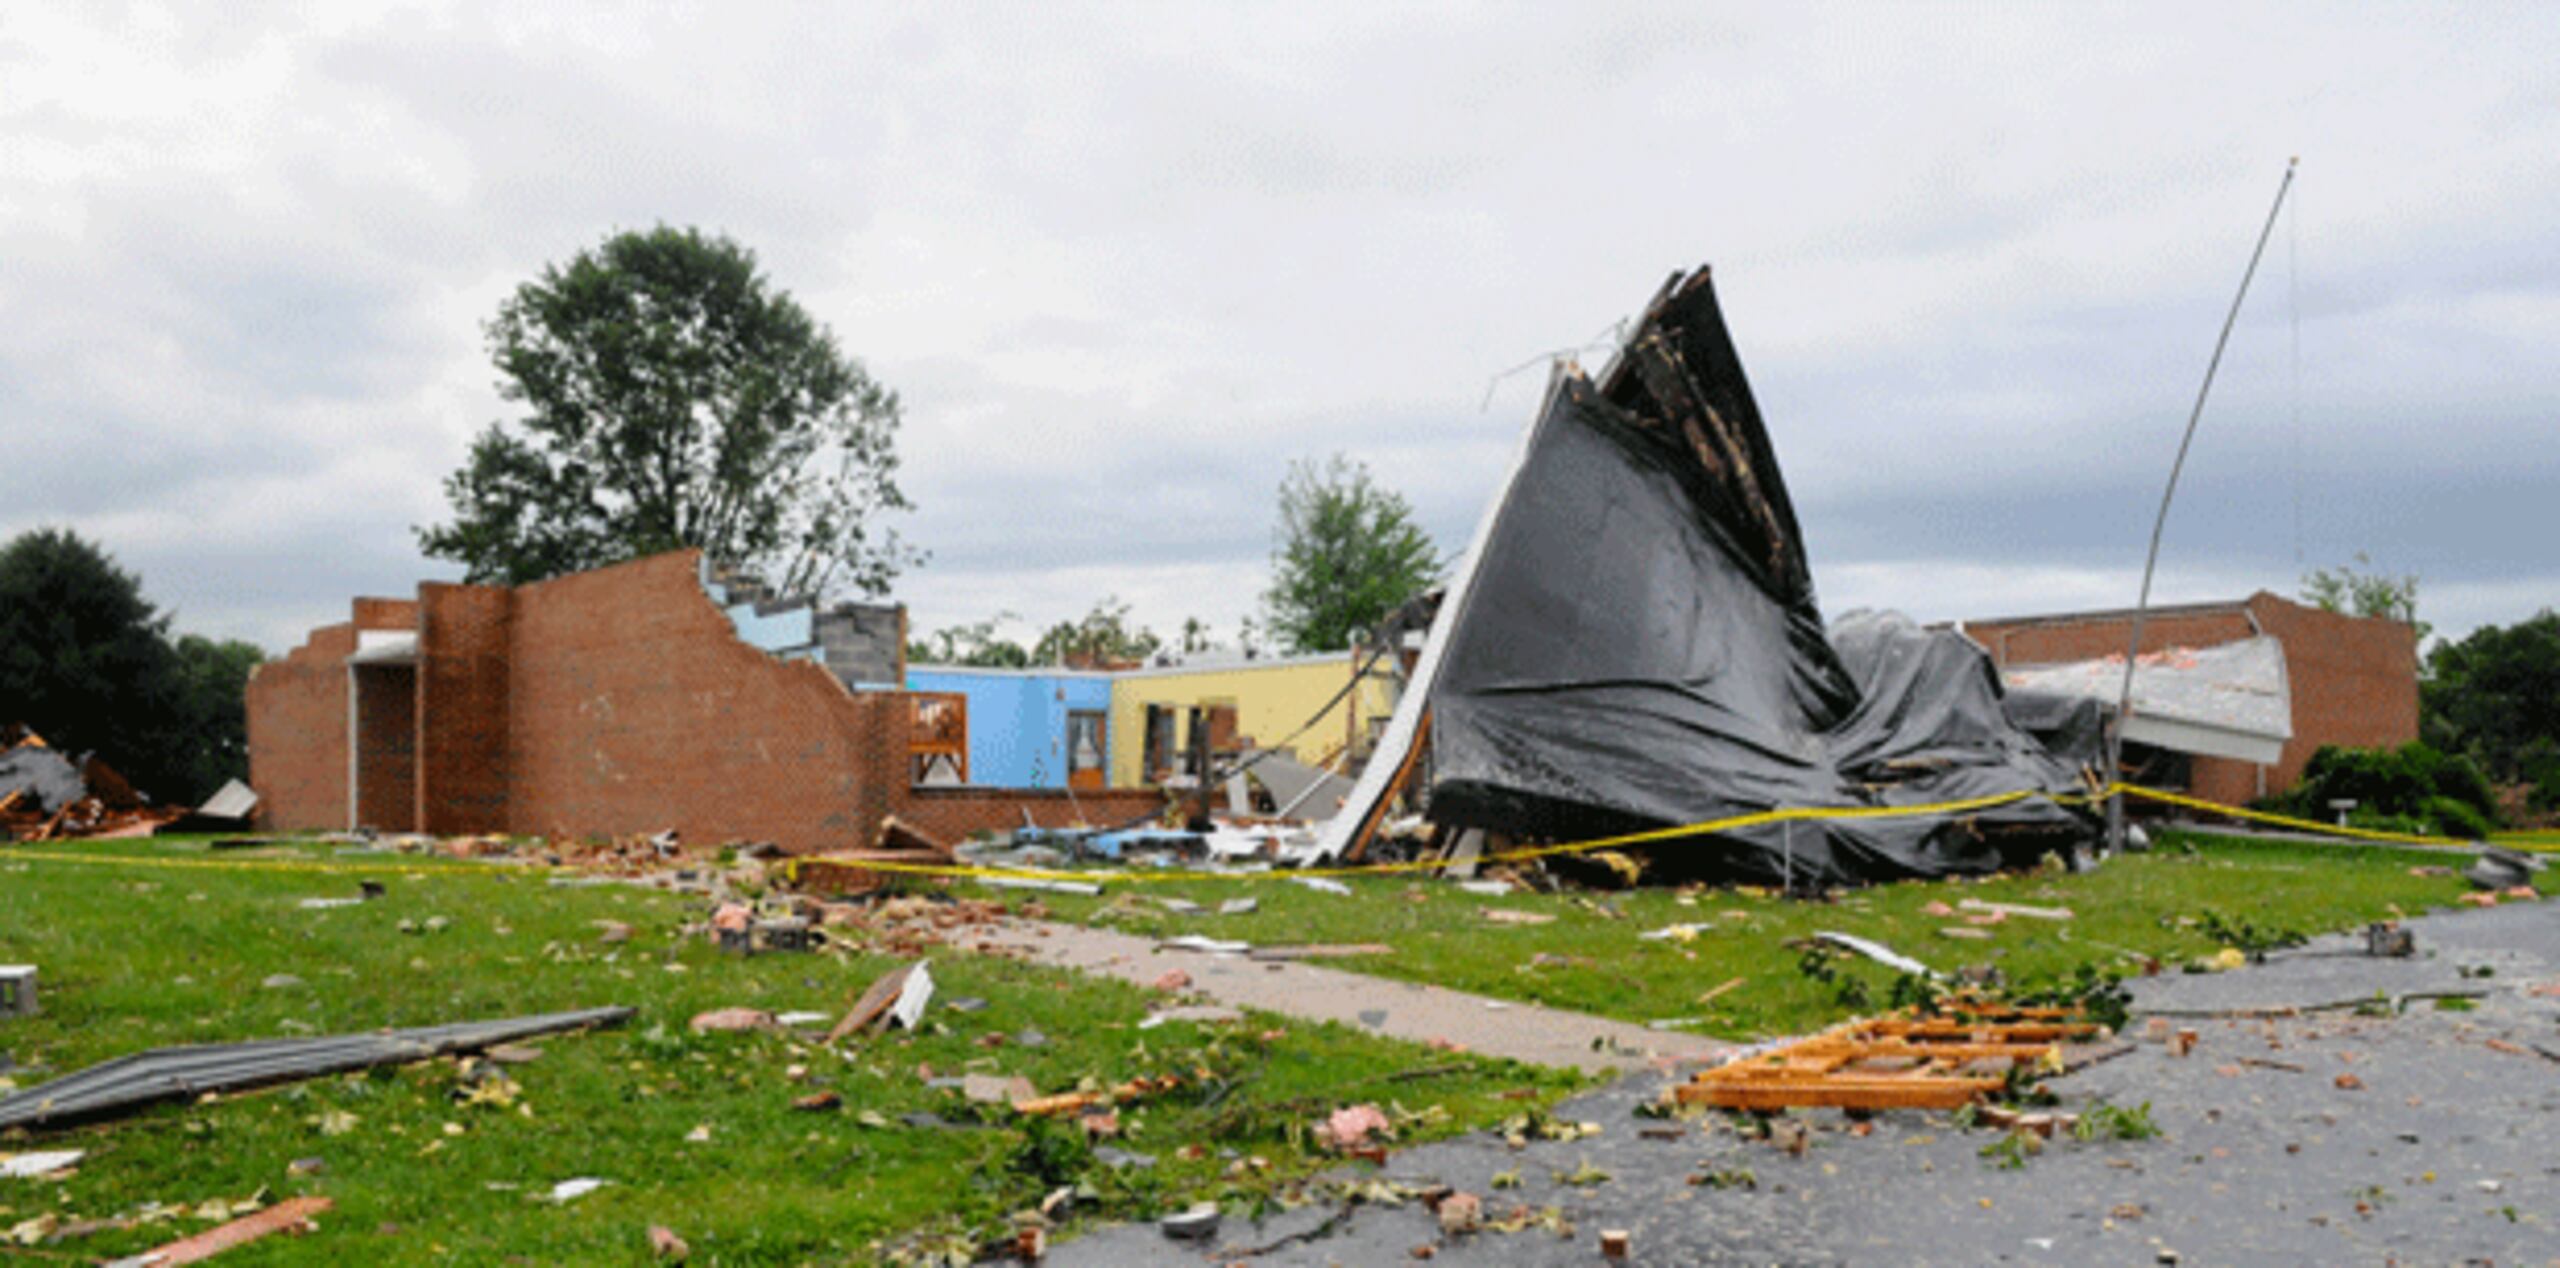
[(1402, 1010)]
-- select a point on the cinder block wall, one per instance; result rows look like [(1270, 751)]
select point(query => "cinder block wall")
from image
[(633, 707), (297, 708)]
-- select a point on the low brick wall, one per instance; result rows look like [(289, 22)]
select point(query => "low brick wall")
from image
[(955, 814)]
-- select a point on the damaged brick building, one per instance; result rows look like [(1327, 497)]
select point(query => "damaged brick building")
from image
[(2348, 680), (659, 693)]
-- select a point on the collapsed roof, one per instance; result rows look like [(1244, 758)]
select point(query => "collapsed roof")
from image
[(1632, 642), (2229, 700)]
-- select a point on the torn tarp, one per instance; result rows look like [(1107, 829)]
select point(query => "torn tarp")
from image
[(1633, 643)]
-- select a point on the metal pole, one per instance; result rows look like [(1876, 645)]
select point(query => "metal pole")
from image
[(2151, 560)]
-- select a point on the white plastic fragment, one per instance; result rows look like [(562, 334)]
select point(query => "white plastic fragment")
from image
[(912, 997), (1323, 884), (1877, 952), (1056, 887), (572, 1190), (1206, 945), (29, 1166)]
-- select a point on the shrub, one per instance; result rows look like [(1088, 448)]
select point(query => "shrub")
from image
[(2455, 819), (2411, 784)]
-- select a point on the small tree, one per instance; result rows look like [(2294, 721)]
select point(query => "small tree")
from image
[(1196, 637), (1104, 636), (2350, 589), (1347, 552), (974, 645), (673, 398)]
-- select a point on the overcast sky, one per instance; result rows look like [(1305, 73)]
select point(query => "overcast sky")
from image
[(1124, 263)]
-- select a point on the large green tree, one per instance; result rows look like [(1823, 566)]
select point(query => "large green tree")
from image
[(1347, 552), (2495, 695), (85, 660), (212, 707), (671, 396)]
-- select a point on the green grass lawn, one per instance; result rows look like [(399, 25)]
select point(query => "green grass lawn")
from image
[(142, 955), (1590, 957)]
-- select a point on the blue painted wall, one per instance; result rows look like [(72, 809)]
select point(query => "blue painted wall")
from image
[(1018, 720)]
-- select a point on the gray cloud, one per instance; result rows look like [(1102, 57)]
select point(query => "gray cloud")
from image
[(1125, 263)]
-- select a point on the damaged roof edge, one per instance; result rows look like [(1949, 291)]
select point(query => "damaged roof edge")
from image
[(1404, 726)]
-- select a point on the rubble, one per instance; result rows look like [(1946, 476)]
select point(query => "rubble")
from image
[(47, 795)]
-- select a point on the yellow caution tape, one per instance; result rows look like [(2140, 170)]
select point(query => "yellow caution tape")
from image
[(2305, 825), (963, 871), (1735, 823)]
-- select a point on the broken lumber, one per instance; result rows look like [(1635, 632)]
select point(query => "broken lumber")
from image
[(1904, 1061), (291, 1215), (1078, 1102)]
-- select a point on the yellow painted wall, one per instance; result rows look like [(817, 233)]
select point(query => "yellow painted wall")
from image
[(1272, 699)]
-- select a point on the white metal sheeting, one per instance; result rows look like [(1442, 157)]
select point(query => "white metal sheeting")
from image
[(2229, 700)]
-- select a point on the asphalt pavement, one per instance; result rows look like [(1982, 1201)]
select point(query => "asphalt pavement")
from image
[(2366, 1126)]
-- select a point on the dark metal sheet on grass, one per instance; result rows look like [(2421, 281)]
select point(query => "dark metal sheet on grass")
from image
[(130, 1082)]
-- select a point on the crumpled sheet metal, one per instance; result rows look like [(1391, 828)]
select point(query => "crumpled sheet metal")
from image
[(1638, 646), (162, 1074)]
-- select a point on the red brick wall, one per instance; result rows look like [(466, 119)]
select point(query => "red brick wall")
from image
[(955, 814), (606, 702), (2058, 642), (634, 708), (462, 707), (386, 747), (298, 733), (386, 614), (2354, 680)]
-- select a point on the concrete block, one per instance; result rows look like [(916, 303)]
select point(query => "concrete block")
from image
[(17, 990)]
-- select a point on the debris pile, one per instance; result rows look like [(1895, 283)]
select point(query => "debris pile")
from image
[(47, 795), (1632, 643)]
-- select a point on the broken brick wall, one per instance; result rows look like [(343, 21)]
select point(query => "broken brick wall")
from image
[(2354, 680), (2061, 640), (463, 634), (297, 707), (633, 707), (953, 815)]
